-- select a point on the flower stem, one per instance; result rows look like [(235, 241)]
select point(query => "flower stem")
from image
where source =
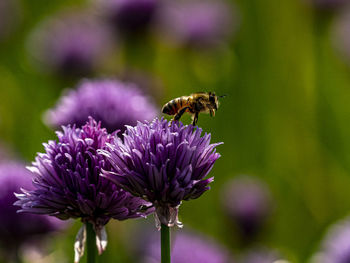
[(90, 243), (16, 256), (165, 244)]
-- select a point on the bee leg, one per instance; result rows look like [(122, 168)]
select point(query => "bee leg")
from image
[(212, 113), (179, 114), (195, 119)]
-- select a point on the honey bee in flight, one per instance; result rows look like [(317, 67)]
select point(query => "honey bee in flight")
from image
[(194, 104)]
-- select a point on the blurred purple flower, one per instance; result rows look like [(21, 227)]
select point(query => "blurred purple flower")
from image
[(163, 163), (17, 229), (68, 185), (188, 247), (113, 103), (130, 16), (196, 23), (71, 44), (336, 245), (248, 202)]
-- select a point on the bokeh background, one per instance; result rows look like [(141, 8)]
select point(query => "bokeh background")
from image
[(284, 176)]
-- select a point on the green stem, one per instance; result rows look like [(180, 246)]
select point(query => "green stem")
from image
[(14, 255), (90, 243), (18, 259), (165, 243)]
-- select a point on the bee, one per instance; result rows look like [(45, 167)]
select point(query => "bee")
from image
[(194, 104)]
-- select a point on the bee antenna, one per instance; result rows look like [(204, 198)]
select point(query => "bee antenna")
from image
[(222, 96)]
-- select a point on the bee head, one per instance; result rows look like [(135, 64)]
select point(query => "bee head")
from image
[(213, 99)]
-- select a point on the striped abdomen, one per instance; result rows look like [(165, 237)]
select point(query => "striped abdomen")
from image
[(173, 106)]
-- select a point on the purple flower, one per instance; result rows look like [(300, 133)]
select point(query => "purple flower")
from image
[(17, 229), (196, 23), (112, 102), (336, 245), (164, 163), (130, 16), (189, 248), (71, 44), (68, 185), (248, 202)]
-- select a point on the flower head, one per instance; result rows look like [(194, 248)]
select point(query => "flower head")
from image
[(336, 245), (68, 185), (196, 23), (190, 248), (130, 16), (111, 102), (247, 201), (71, 44), (17, 229), (163, 163)]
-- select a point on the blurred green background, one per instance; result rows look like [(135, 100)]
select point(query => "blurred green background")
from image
[(286, 118)]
